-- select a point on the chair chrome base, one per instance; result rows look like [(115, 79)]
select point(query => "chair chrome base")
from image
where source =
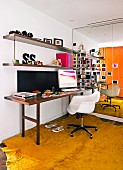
[(82, 127), (110, 105)]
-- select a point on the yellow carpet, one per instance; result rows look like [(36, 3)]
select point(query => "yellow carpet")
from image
[(59, 151)]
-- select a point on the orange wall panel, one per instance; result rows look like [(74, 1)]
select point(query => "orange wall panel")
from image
[(114, 55)]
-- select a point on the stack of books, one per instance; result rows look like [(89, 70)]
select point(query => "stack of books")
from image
[(24, 95), (67, 60)]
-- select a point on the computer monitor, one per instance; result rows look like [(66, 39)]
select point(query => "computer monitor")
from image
[(67, 78), (28, 81)]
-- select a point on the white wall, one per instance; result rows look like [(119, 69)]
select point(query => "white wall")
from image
[(15, 15), (87, 42)]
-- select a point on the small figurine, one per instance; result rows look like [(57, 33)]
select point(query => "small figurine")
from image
[(57, 62)]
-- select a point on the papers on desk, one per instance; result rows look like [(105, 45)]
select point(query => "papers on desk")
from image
[(24, 95)]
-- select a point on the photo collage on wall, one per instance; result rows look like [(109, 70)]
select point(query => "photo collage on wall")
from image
[(85, 74), (99, 69), (90, 71)]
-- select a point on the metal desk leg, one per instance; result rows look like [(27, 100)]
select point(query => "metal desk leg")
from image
[(38, 124), (23, 121)]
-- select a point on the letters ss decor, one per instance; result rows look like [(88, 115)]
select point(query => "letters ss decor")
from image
[(28, 58)]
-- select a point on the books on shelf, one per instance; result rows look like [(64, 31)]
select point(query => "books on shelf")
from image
[(24, 95), (67, 59)]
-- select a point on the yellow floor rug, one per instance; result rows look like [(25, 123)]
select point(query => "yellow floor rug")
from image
[(59, 151)]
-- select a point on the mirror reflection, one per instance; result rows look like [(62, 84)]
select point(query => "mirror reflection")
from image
[(102, 44)]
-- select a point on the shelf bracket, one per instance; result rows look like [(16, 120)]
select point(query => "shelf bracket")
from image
[(14, 48)]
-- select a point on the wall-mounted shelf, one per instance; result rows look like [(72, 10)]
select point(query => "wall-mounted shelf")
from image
[(97, 58), (31, 65), (36, 42)]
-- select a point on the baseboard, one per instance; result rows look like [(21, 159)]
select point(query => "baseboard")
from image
[(117, 119), (53, 118)]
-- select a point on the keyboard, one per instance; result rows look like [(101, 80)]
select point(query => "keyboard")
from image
[(72, 89)]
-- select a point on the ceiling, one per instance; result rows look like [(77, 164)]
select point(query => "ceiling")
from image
[(79, 13)]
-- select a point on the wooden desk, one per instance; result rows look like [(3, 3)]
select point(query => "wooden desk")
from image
[(36, 101)]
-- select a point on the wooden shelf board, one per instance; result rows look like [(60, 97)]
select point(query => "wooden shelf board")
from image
[(98, 58), (36, 42), (30, 65)]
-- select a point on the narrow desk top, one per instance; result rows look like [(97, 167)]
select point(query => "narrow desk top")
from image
[(40, 99)]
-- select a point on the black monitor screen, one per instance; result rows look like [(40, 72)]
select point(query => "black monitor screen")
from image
[(36, 80)]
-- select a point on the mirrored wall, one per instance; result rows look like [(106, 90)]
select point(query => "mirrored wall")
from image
[(102, 44)]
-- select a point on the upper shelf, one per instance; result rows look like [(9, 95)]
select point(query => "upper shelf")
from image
[(34, 41)]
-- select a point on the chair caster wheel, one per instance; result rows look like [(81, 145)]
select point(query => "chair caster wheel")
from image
[(95, 129), (71, 135), (68, 127), (91, 137)]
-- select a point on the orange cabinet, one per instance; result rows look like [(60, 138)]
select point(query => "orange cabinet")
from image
[(114, 64)]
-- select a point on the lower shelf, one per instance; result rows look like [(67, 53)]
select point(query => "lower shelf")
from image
[(31, 65)]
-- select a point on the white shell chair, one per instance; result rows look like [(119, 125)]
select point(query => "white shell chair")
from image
[(110, 93), (81, 105)]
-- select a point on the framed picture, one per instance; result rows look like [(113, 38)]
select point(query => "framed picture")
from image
[(58, 42), (103, 69), (109, 73), (93, 77), (114, 81), (103, 77), (93, 81), (103, 65), (88, 80), (83, 80), (87, 84), (83, 84), (98, 61), (82, 76), (93, 68), (98, 65), (48, 40), (115, 65), (94, 73), (98, 73), (79, 76), (87, 61), (93, 65)]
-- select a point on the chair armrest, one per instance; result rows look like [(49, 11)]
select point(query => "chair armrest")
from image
[(83, 107)]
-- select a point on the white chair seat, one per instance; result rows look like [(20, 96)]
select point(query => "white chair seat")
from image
[(84, 104), (81, 105)]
